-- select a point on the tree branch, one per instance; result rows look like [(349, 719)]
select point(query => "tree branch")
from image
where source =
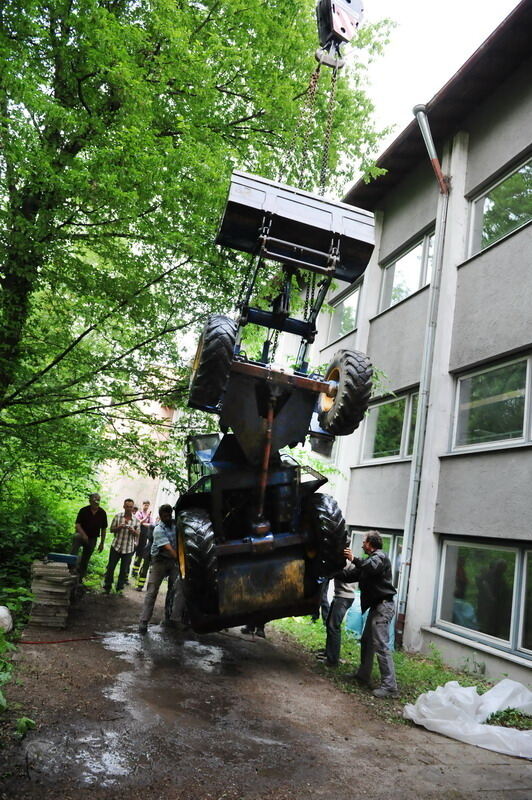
[(7, 400)]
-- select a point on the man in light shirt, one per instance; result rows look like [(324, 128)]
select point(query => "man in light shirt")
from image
[(126, 529), (163, 565)]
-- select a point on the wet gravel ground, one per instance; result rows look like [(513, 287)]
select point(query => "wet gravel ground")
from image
[(221, 716)]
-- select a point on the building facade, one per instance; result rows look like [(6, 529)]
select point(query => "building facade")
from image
[(448, 295)]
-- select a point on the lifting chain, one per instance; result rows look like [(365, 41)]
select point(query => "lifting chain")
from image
[(309, 295), (275, 342), (302, 129), (328, 133)]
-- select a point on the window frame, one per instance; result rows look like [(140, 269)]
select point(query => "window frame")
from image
[(475, 228), (424, 278), (396, 543), (405, 431), (498, 443), (527, 554), (335, 303), (512, 645)]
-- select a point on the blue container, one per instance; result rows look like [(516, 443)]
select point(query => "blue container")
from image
[(355, 621), (63, 558)]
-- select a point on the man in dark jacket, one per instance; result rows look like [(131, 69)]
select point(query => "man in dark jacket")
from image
[(374, 576), (91, 523)]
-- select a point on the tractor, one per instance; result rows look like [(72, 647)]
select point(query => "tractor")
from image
[(255, 536)]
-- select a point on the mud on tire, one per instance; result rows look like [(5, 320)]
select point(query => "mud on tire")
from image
[(197, 561), (210, 371), (342, 414), (325, 524)]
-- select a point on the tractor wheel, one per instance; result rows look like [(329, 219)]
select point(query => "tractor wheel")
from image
[(325, 524), (342, 414), (197, 561), (210, 370)]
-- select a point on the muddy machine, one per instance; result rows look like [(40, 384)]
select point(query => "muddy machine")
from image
[(255, 536)]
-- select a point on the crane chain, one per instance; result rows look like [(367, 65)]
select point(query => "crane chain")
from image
[(297, 160), (328, 133)]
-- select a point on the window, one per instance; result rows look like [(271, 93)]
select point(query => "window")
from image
[(344, 316), (389, 428), (408, 273), (392, 544), (526, 606), (491, 405), (486, 592), (503, 208)]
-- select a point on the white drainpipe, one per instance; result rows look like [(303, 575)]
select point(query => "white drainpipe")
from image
[(425, 377)]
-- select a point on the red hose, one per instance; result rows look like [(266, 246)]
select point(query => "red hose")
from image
[(60, 641)]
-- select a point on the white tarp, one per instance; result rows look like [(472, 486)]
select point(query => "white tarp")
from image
[(6, 620), (460, 713)]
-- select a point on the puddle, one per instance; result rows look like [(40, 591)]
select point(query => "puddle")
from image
[(93, 758)]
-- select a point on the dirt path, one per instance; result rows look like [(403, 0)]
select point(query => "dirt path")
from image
[(212, 717)]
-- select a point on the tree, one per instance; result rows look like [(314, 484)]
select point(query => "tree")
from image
[(119, 125)]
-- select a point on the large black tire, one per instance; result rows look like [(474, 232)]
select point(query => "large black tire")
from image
[(197, 561), (210, 371), (325, 525), (342, 414)]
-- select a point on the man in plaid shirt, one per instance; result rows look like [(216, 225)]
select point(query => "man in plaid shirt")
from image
[(126, 529)]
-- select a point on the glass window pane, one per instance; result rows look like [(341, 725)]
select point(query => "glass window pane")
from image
[(507, 206), (407, 275), (412, 430), (357, 537), (384, 428), (344, 317), (396, 566), (527, 610), (478, 585), (429, 259), (491, 405)]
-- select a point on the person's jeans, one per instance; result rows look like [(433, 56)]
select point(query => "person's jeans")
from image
[(87, 551), (374, 641), (162, 567), (125, 563), (324, 603), (337, 611)]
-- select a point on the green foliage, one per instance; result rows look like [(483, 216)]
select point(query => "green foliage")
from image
[(508, 205), (120, 124), (23, 725), (6, 667), (34, 519), (511, 718)]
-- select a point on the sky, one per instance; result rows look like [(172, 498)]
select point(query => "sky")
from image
[(429, 44)]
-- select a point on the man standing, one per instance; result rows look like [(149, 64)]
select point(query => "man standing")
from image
[(126, 529), (91, 522), (142, 560), (374, 576), (163, 565), (344, 594)]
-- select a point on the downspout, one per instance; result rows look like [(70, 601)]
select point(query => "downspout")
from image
[(425, 377)]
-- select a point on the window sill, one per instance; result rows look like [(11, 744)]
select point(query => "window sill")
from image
[(339, 339), (504, 238), (400, 303), (475, 644), (381, 462), (476, 451)]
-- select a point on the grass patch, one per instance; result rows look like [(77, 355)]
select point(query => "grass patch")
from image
[(511, 718), (415, 673)]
